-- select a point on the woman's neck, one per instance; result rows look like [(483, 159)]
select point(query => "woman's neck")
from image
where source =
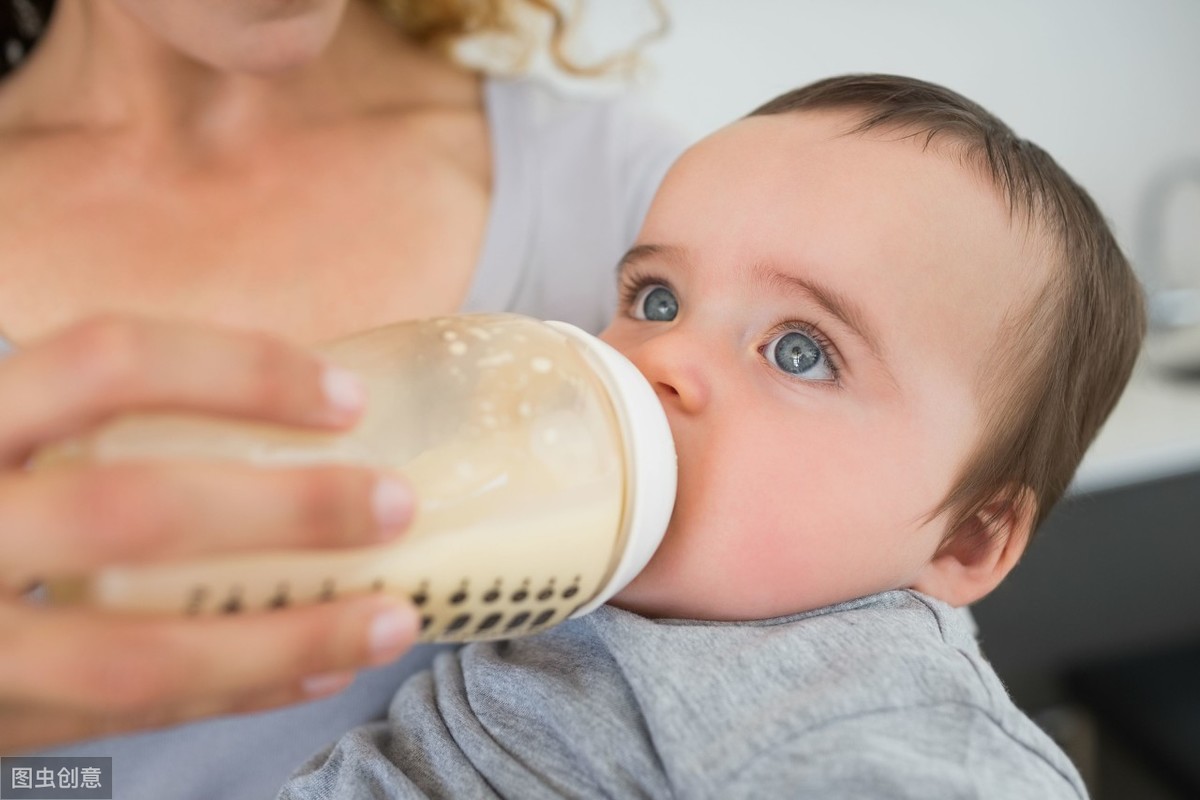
[(100, 71)]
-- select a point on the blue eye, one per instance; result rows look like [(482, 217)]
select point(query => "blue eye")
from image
[(799, 354), (655, 303)]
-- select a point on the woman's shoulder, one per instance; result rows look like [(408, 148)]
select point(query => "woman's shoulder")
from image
[(610, 124), (543, 102), (572, 175)]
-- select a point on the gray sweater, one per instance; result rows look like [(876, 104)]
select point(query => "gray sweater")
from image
[(882, 697)]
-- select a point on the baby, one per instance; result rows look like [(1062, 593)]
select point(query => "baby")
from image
[(884, 330)]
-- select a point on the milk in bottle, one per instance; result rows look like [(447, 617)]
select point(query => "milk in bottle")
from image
[(541, 460)]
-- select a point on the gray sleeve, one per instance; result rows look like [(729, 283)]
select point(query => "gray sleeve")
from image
[(550, 718), (948, 751)]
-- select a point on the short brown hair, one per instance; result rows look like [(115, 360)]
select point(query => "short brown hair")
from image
[(1074, 348)]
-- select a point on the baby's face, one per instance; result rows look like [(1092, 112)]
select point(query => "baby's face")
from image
[(814, 311)]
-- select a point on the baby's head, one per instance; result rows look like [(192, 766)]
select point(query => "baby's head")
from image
[(884, 330)]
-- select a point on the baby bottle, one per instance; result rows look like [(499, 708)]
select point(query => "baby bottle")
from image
[(541, 460)]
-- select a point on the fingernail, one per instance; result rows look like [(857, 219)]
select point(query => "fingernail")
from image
[(392, 504), (327, 683), (344, 390), (391, 632)]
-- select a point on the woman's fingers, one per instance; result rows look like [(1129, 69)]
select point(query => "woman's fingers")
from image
[(77, 378), (69, 672), (68, 520), (104, 673)]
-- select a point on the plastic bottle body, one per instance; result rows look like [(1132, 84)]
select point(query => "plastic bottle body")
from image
[(514, 449)]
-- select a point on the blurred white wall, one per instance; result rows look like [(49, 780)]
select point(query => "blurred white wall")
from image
[(1111, 88)]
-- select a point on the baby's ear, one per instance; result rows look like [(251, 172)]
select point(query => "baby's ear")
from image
[(980, 553)]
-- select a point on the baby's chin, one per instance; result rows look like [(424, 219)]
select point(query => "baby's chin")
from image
[(658, 593), (652, 594), (656, 604), (674, 585)]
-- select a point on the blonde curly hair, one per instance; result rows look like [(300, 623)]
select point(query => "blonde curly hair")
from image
[(508, 33)]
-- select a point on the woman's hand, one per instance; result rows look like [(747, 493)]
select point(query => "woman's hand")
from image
[(70, 673)]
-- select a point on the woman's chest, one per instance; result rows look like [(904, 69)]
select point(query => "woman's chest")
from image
[(310, 251)]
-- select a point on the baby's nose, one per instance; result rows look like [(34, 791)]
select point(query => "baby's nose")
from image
[(675, 367)]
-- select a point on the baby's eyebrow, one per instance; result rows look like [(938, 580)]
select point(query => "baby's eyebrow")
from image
[(641, 252), (834, 302)]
